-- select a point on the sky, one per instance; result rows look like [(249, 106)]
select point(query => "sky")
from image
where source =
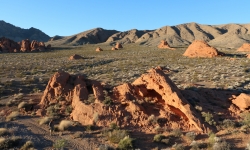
[(68, 17)]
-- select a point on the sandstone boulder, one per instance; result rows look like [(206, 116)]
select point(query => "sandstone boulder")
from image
[(118, 45), (8, 46), (75, 56), (113, 48), (34, 45), (98, 49), (25, 45), (201, 49), (164, 45), (244, 48), (242, 101)]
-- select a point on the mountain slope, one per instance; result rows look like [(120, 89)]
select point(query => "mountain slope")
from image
[(17, 34), (228, 35)]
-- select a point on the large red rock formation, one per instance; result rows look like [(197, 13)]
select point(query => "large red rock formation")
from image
[(118, 45), (153, 94), (201, 49), (244, 48), (164, 45), (8, 46)]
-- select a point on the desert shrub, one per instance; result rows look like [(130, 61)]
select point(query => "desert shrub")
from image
[(21, 105), (177, 133), (104, 147), (27, 145), (95, 117), (10, 103), (113, 126), (13, 115), (194, 145), (3, 131), (60, 144), (247, 148), (9, 142), (107, 101), (245, 118), (208, 118), (116, 135), (44, 120), (126, 143), (191, 135), (199, 108), (222, 146), (178, 147), (89, 128), (51, 111), (211, 139), (227, 123), (68, 110), (158, 137), (64, 124), (152, 119), (19, 96)]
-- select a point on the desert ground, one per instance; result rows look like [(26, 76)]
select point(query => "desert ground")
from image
[(208, 84)]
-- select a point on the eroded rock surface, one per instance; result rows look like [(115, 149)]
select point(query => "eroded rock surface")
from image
[(75, 56), (118, 45), (98, 49), (201, 49), (242, 101), (8, 46)]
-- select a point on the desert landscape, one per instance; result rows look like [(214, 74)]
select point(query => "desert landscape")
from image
[(183, 87)]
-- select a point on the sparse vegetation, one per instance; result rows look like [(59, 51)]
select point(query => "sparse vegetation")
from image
[(44, 120), (208, 118), (27, 146), (158, 137), (13, 115), (3, 131), (59, 144), (65, 124), (177, 133), (126, 143), (191, 136)]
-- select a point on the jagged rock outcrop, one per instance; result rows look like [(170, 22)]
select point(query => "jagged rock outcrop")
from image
[(242, 101), (98, 49), (8, 46), (75, 56), (201, 49), (113, 48), (244, 48), (25, 45), (164, 45), (118, 45), (153, 94)]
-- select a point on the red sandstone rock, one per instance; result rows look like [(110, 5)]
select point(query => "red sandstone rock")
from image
[(244, 48), (75, 56), (242, 101), (25, 45), (113, 48), (34, 45), (98, 49), (201, 49), (118, 45), (8, 46), (164, 45)]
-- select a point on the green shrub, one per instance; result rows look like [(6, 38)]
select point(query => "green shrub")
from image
[(227, 123), (158, 137), (116, 135), (59, 144), (126, 143), (89, 128), (191, 135), (113, 126), (208, 118), (246, 118), (177, 133)]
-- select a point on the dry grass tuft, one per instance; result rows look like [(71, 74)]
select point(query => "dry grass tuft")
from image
[(3, 131), (44, 120), (64, 124), (21, 105), (12, 116)]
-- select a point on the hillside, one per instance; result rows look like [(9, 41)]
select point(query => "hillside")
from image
[(228, 35), (17, 34)]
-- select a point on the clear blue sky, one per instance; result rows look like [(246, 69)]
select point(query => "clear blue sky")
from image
[(68, 17)]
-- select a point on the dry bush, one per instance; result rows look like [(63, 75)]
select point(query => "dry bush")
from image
[(12, 116), (3, 131), (126, 143), (28, 145), (2, 140), (21, 105), (152, 119), (44, 120), (64, 124)]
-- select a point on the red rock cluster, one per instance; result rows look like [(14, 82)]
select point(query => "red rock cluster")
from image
[(151, 95), (164, 45), (98, 49), (201, 49), (10, 46), (75, 56)]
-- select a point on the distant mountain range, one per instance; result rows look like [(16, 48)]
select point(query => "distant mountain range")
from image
[(17, 34), (227, 35)]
